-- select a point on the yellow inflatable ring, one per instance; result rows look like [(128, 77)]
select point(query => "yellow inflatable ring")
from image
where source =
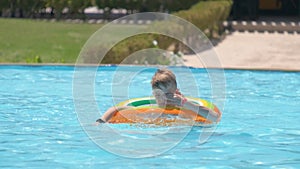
[(145, 110)]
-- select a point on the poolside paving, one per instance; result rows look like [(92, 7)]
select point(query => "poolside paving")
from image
[(255, 50)]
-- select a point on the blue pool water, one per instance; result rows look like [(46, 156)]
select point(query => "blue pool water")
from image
[(39, 127)]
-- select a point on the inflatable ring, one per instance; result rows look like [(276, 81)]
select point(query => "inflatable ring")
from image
[(145, 110)]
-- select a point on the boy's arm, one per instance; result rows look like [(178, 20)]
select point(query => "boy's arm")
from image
[(203, 111), (110, 112), (178, 100)]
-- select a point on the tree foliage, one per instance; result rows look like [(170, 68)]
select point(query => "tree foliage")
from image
[(27, 8), (208, 16)]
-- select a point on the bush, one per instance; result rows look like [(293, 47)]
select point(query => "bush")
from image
[(36, 59), (206, 15), (120, 52), (126, 47)]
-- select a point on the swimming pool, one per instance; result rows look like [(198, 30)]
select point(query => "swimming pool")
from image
[(39, 127)]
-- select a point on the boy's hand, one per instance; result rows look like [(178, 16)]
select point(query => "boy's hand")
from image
[(175, 99)]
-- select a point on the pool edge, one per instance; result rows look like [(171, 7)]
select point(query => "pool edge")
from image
[(96, 65)]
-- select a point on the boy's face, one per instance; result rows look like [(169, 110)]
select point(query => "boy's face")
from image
[(162, 95)]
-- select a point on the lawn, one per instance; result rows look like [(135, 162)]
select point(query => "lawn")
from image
[(29, 41)]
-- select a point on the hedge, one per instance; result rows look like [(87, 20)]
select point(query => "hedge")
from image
[(208, 16)]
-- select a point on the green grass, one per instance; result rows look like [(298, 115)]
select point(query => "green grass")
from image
[(29, 41)]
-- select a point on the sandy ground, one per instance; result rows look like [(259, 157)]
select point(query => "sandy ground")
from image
[(275, 51)]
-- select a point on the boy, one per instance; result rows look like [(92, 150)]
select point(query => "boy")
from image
[(166, 93)]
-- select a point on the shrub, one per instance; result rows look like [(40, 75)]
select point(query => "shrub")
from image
[(36, 59), (206, 15)]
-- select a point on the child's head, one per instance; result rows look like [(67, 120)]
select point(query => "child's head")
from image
[(164, 80), (163, 83)]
